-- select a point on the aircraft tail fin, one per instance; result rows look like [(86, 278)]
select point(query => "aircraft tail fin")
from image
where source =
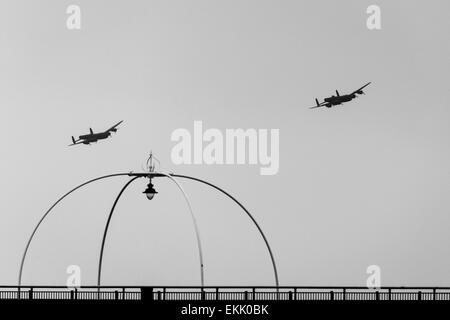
[(318, 105), (90, 129), (337, 92), (73, 140)]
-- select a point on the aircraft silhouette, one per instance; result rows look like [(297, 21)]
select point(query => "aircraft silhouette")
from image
[(94, 137), (339, 99)]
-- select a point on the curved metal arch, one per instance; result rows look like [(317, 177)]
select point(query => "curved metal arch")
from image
[(137, 175), (105, 232), (50, 209), (197, 232), (247, 212)]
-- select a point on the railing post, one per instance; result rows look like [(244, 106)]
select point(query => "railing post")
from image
[(419, 295), (116, 295), (30, 294), (203, 294), (159, 295), (152, 297), (245, 295), (123, 294), (343, 294), (164, 293), (434, 293), (389, 294), (377, 295), (253, 293), (217, 293), (71, 295), (331, 295)]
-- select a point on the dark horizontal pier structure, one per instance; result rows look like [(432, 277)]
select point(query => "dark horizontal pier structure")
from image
[(225, 293)]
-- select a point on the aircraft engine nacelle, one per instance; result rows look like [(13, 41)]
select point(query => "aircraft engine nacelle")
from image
[(113, 130), (360, 92)]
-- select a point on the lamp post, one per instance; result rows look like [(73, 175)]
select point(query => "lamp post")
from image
[(150, 192)]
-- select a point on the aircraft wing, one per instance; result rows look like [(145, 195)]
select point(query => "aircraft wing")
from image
[(359, 91), (113, 128)]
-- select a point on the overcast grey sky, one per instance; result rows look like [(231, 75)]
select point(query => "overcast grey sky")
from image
[(366, 183)]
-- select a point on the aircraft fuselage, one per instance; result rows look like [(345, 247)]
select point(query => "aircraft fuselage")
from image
[(334, 100), (94, 137)]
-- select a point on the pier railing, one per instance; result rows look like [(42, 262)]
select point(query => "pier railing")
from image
[(240, 293)]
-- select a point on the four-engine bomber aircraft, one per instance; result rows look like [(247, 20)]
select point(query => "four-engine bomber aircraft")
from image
[(94, 137), (339, 99)]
